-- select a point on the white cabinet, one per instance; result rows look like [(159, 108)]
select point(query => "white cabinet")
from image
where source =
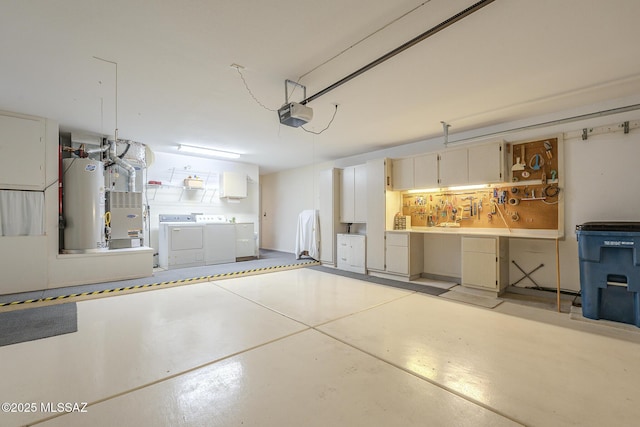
[(381, 206), (353, 194), (22, 152), (233, 185), (486, 163), (347, 194), (476, 164), (405, 254), (425, 171), (360, 197), (245, 240), (329, 194), (351, 253), (403, 170), (453, 167), (485, 263)]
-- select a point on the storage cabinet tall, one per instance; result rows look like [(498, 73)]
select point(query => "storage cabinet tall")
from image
[(353, 194)]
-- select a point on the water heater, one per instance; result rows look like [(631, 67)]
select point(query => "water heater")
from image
[(83, 205)]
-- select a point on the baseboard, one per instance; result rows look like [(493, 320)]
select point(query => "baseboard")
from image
[(440, 277), (389, 276)]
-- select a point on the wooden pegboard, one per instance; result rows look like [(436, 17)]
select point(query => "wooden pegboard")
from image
[(537, 160), (526, 208), (526, 202)]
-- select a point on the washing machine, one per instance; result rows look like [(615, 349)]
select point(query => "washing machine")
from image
[(180, 242), (219, 239)]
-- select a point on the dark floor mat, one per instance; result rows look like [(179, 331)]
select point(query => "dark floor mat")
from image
[(36, 323), (425, 289)]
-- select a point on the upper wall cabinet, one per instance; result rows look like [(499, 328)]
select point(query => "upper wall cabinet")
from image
[(353, 194), (425, 171), (416, 172), (454, 167), (403, 174), (486, 163), (22, 152), (477, 164), (233, 185)]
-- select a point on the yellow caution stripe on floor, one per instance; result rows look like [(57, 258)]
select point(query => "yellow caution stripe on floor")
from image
[(173, 282)]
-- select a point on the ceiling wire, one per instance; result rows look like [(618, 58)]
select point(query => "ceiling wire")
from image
[(326, 127), (251, 93), (345, 50), (269, 109), (363, 39), (326, 62)]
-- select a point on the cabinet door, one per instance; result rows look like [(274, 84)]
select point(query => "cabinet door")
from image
[(357, 251), (398, 259), (328, 192), (479, 262), (376, 199), (479, 270), (360, 196), (486, 163), (425, 171), (233, 185), (403, 174), (245, 242), (347, 195), (453, 167), (22, 153)]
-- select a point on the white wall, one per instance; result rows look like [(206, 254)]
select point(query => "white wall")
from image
[(600, 178), (284, 196)]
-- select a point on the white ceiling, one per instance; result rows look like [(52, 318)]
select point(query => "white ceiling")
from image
[(511, 60)]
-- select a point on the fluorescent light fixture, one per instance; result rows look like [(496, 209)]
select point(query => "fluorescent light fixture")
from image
[(424, 190), (458, 188), (469, 187), (191, 149)]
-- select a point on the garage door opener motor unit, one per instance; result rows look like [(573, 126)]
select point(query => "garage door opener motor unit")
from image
[(294, 114)]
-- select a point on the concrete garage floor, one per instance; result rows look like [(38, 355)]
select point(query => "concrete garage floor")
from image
[(309, 348)]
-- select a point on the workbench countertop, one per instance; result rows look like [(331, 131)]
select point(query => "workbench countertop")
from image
[(462, 231)]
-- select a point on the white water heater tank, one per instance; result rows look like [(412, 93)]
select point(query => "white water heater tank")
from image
[(83, 205)]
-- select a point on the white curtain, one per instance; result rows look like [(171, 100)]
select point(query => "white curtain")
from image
[(308, 234), (21, 213)]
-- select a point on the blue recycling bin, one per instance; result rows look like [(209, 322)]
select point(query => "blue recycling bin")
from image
[(610, 270)]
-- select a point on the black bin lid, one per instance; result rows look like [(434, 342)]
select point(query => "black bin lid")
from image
[(609, 226)]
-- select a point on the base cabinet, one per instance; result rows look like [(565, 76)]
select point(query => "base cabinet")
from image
[(351, 253), (245, 240), (405, 254), (485, 263)]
